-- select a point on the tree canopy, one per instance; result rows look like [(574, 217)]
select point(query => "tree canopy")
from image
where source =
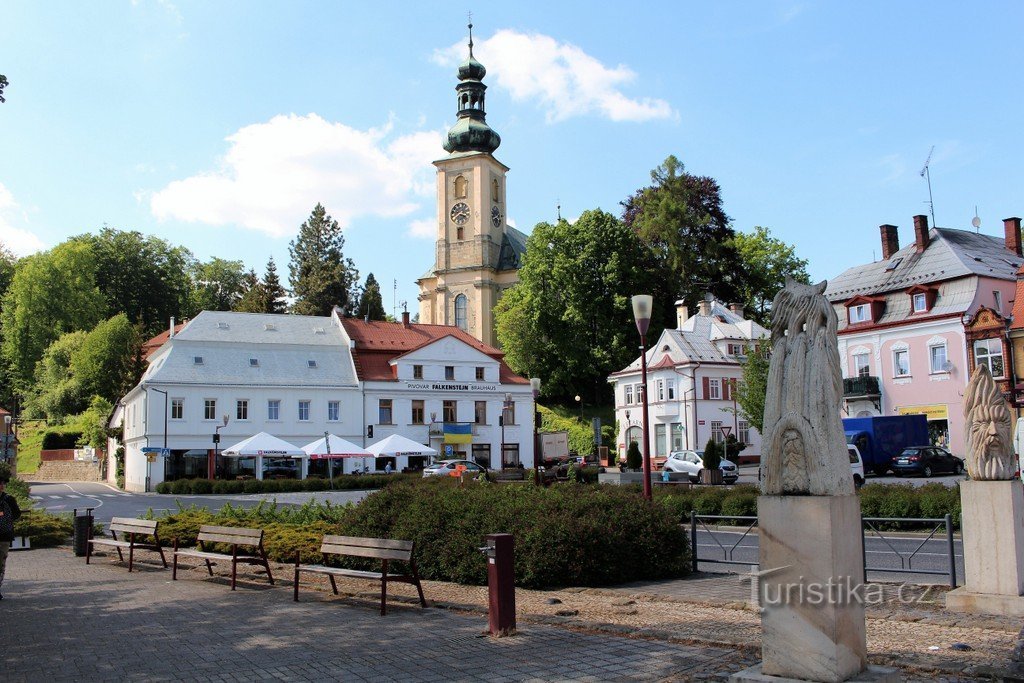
[(569, 319), (320, 275), (263, 296), (767, 263), (218, 285), (753, 386), (371, 304)]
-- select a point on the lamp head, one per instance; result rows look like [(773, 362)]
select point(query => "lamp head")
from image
[(535, 385), (7, 420), (226, 418), (642, 305), (578, 399)]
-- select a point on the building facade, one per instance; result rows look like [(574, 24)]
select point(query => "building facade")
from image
[(223, 377), (913, 326), (692, 372), (477, 254)]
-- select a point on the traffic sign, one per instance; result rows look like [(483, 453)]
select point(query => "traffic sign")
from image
[(157, 450), (449, 449)]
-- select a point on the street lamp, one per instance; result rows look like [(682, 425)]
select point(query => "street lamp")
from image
[(501, 420), (7, 437), (580, 401), (216, 446), (642, 304), (149, 465), (535, 386)]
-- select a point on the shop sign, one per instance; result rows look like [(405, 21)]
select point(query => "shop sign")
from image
[(450, 386), (932, 412)]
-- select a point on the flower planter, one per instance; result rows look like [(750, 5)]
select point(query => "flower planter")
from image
[(711, 476)]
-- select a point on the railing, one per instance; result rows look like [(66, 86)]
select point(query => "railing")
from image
[(861, 386), (869, 528)]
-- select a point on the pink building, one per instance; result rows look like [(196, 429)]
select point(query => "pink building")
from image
[(691, 372), (911, 325)]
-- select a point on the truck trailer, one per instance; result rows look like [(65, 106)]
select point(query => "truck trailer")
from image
[(880, 439)]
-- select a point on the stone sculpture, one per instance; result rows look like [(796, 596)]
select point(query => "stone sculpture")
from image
[(989, 429), (805, 447)]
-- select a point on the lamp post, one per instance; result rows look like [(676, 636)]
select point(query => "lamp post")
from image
[(330, 461), (535, 386), (501, 420), (216, 446), (579, 400), (7, 437), (642, 304), (149, 465)]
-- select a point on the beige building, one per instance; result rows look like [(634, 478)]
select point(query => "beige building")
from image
[(477, 255)]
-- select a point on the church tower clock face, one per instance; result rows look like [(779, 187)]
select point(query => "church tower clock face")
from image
[(495, 217), (460, 213)]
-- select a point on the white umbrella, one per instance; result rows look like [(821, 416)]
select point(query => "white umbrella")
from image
[(263, 444), (396, 445), (331, 446)]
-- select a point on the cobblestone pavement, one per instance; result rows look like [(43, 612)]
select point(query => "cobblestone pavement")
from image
[(65, 621)]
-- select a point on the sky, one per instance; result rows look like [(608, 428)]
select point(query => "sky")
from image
[(220, 125)]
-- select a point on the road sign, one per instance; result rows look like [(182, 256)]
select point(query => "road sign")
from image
[(155, 451), (449, 449), (150, 457)]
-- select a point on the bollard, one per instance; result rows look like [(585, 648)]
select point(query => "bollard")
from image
[(501, 587)]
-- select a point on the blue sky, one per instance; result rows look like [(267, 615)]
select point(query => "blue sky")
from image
[(219, 125)]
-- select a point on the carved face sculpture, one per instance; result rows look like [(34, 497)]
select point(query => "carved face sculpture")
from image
[(990, 429)]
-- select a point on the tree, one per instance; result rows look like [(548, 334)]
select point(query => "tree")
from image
[(753, 386), (766, 263), (142, 276), (320, 276), (3, 84), (634, 458), (56, 392), (569, 320), (370, 303), (681, 220), (263, 296), (51, 293), (217, 285)]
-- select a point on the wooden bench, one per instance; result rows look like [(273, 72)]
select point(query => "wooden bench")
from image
[(377, 548), (133, 530), (249, 539)]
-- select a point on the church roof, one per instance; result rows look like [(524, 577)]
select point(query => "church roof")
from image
[(513, 247)]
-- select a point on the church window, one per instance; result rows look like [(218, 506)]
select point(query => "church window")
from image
[(460, 311), (461, 185), (495, 196), (460, 233)]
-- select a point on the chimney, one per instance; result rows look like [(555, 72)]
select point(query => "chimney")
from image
[(171, 333), (682, 314), (921, 233), (405, 319), (704, 307), (890, 240), (736, 308), (1011, 226)]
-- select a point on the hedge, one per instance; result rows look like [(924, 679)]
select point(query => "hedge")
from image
[(61, 437), (565, 535), (933, 500), (192, 487)]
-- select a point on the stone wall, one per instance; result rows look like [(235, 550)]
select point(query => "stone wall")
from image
[(67, 471)]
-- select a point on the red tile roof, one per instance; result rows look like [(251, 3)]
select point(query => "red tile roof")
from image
[(151, 346), (378, 343)]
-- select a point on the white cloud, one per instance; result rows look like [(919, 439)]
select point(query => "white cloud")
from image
[(274, 173), (424, 228), (560, 77), (19, 240)]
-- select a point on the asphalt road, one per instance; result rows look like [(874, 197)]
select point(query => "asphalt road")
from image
[(748, 475), (900, 553), (108, 502)]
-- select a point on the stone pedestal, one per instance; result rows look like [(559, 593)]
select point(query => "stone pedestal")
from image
[(811, 591), (993, 533)]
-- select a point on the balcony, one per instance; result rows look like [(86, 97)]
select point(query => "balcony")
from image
[(861, 387)]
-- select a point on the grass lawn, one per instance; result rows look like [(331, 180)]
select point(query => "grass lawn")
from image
[(30, 434)]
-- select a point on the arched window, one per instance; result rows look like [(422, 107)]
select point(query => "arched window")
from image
[(460, 187), (495, 196), (460, 311)]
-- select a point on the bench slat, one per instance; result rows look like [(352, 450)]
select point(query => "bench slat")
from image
[(235, 530), (110, 541), (132, 529), (228, 538), (215, 556), (320, 569), (132, 521), (357, 551), (368, 542)]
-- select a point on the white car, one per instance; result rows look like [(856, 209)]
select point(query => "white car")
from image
[(445, 468), (856, 464), (691, 463)]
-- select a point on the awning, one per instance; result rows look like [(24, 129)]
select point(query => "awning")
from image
[(266, 445), (334, 447)]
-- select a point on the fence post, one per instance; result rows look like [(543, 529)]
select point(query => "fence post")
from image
[(951, 550), (693, 539), (863, 549)]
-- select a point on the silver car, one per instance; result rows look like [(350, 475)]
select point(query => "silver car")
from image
[(448, 467), (691, 463)]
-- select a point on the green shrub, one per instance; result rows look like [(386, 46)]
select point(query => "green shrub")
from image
[(181, 487), (56, 438), (634, 459), (43, 529), (201, 486), (742, 504), (712, 455), (566, 535), (252, 486), (164, 487), (315, 484)]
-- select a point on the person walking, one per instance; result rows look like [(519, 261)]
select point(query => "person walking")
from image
[(9, 514)]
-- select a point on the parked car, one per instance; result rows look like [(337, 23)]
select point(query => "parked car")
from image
[(856, 464), (926, 460), (447, 467), (691, 463)]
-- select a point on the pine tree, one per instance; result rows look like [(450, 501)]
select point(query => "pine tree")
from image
[(251, 294), (273, 293), (370, 303), (320, 275)]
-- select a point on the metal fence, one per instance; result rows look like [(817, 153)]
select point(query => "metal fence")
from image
[(870, 528)]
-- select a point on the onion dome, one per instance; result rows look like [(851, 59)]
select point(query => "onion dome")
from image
[(471, 132)]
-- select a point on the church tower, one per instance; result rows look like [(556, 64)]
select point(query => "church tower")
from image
[(476, 254)]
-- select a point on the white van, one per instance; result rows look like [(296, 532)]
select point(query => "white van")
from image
[(856, 464)]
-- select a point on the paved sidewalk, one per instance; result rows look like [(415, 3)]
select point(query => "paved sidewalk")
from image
[(65, 621)]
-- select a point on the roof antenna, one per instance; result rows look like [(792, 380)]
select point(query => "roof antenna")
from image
[(976, 222), (925, 173), (558, 208)]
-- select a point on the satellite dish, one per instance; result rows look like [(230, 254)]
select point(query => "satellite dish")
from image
[(947, 366), (976, 222)]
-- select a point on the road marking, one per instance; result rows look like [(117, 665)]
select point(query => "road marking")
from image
[(55, 497), (99, 503)]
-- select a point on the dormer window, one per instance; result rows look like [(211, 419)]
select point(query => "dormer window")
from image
[(311, 363), (197, 360), (254, 362), (920, 303), (222, 326), (922, 298), (269, 327), (861, 313)]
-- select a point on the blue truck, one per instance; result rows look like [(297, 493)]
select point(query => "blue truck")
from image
[(880, 439)]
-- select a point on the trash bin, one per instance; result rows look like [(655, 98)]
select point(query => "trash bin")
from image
[(82, 531)]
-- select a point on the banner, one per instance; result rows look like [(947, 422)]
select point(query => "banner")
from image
[(458, 433)]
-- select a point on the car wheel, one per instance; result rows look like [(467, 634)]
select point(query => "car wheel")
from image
[(927, 471), (696, 478), (958, 468), (858, 480)]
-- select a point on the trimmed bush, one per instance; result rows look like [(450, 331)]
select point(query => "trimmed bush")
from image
[(43, 529), (182, 487), (56, 438), (634, 458), (202, 486)]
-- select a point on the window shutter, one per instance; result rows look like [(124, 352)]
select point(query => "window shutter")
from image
[(707, 389), (725, 388)]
